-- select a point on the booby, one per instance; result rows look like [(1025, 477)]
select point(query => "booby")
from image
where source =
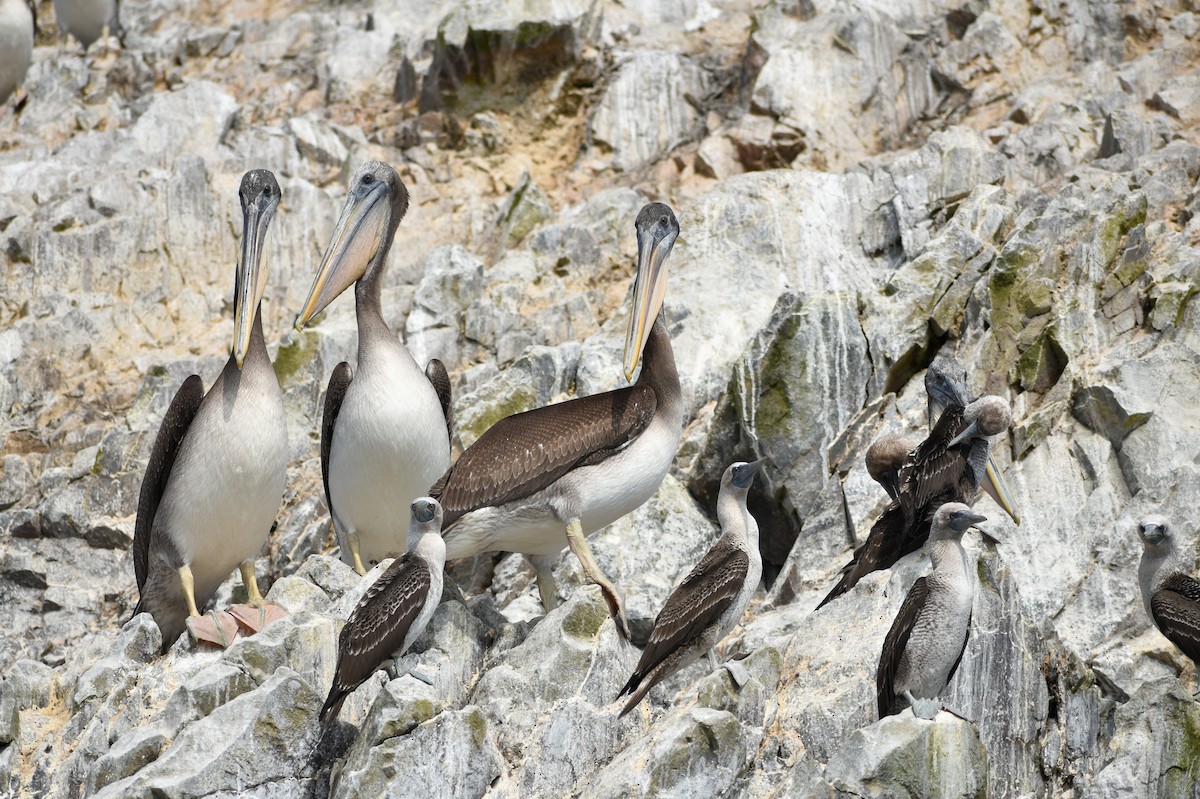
[(951, 465), (216, 476), (710, 601), (384, 432), (579, 465), (1171, 597), (18, 20), (923, 648), (87, 20), (395, 610)]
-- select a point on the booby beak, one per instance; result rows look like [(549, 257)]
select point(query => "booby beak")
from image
[(251, 281), (649, 289), (744, 475), (360, 232)]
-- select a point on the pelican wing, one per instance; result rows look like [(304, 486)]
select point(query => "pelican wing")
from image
[(166, 447), (339, 381), (526, 452), (378, 626), (436, 372), (934, 467), (1176, 608)]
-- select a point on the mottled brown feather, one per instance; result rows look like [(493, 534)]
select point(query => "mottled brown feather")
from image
[(1176, 609), (376, 628), (893, 648), (527, 452), (158, 470), (339, 381)]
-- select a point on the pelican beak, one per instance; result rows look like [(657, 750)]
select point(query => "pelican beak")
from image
[(356, 240), (970, 430), (997, 488), (649, 289), (251, 279)]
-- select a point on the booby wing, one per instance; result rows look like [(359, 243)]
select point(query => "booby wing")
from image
[(526, 452), (166, 447), (894, 645), (436, 372), (378, 626), (1176, 609), (339, 381)]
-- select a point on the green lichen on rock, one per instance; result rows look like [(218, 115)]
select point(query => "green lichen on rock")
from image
[(472, 425), (585, 619), (1170, 303), (1040, 366), (295, 355)]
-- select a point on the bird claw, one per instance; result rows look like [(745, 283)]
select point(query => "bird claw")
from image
[(737, 672), (926, 708), (253, 618), (216, 627), (616, 609)]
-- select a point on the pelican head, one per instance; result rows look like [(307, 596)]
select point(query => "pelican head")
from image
[(259, 194), (886, 455), (953, 519), (741, 475), (1154, 532), (657, 229), (945, 385), (987, 416), (377, 202)]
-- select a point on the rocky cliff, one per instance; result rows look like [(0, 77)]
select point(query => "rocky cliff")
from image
[(860, 186)]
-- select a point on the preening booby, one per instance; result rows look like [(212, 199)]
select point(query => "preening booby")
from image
[(710, 601), (951, 465), (577, 466), (216, 476), (18, 20), (1171, 597), (87, 20), (384, 433), (923, 648), (395, 610)]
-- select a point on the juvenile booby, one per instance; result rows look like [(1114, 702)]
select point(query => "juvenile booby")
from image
[(577, 466), (923, 648), (951, 465), (216, 476), (395, 609), (710, 601), (87, 20), (384, 433), (17, 24), (1171, 597)]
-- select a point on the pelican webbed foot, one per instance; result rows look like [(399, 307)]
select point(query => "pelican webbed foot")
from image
[(612, 595), (216, 627), (257, 612)]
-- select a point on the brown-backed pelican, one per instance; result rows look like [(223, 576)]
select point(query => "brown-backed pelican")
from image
[(216, 476), (87, 20), (710, 601), (885, 457), (395, 610), (1170, 595), (17, 25), (951, 465), (384, 436), (577, 466), (923, 648)]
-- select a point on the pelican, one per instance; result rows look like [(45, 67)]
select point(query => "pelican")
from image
[(710, 601), (384, 433), (884, 459), (87, 20), (18, 21), (577, 466), (951, 465), (1171, 597), (216, 476), (395, 610), (923, 648)]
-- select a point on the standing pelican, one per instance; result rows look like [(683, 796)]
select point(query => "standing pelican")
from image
[(951, 465), (1171, 596), (577, 466), (215, 479), (384, 436), (87, 20), (710, 601), (395, 610), (18, 21), (923, 648)]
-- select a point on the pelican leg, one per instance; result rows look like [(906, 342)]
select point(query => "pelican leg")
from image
[(616, 605), (217, 628), (547, 589), (712, 659), (923, 708), (257, 612), (352, 545)]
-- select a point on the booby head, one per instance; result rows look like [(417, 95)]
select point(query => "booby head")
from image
[(657, 228), (945, 385), (259, 194), (886, 454), (953, 519), (426, 520), (1155, 532), (377, 202), (741, 475)]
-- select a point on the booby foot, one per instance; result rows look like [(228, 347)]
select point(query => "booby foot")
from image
[(737, 672), (254, 617), (215, 627), (926, 708)]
